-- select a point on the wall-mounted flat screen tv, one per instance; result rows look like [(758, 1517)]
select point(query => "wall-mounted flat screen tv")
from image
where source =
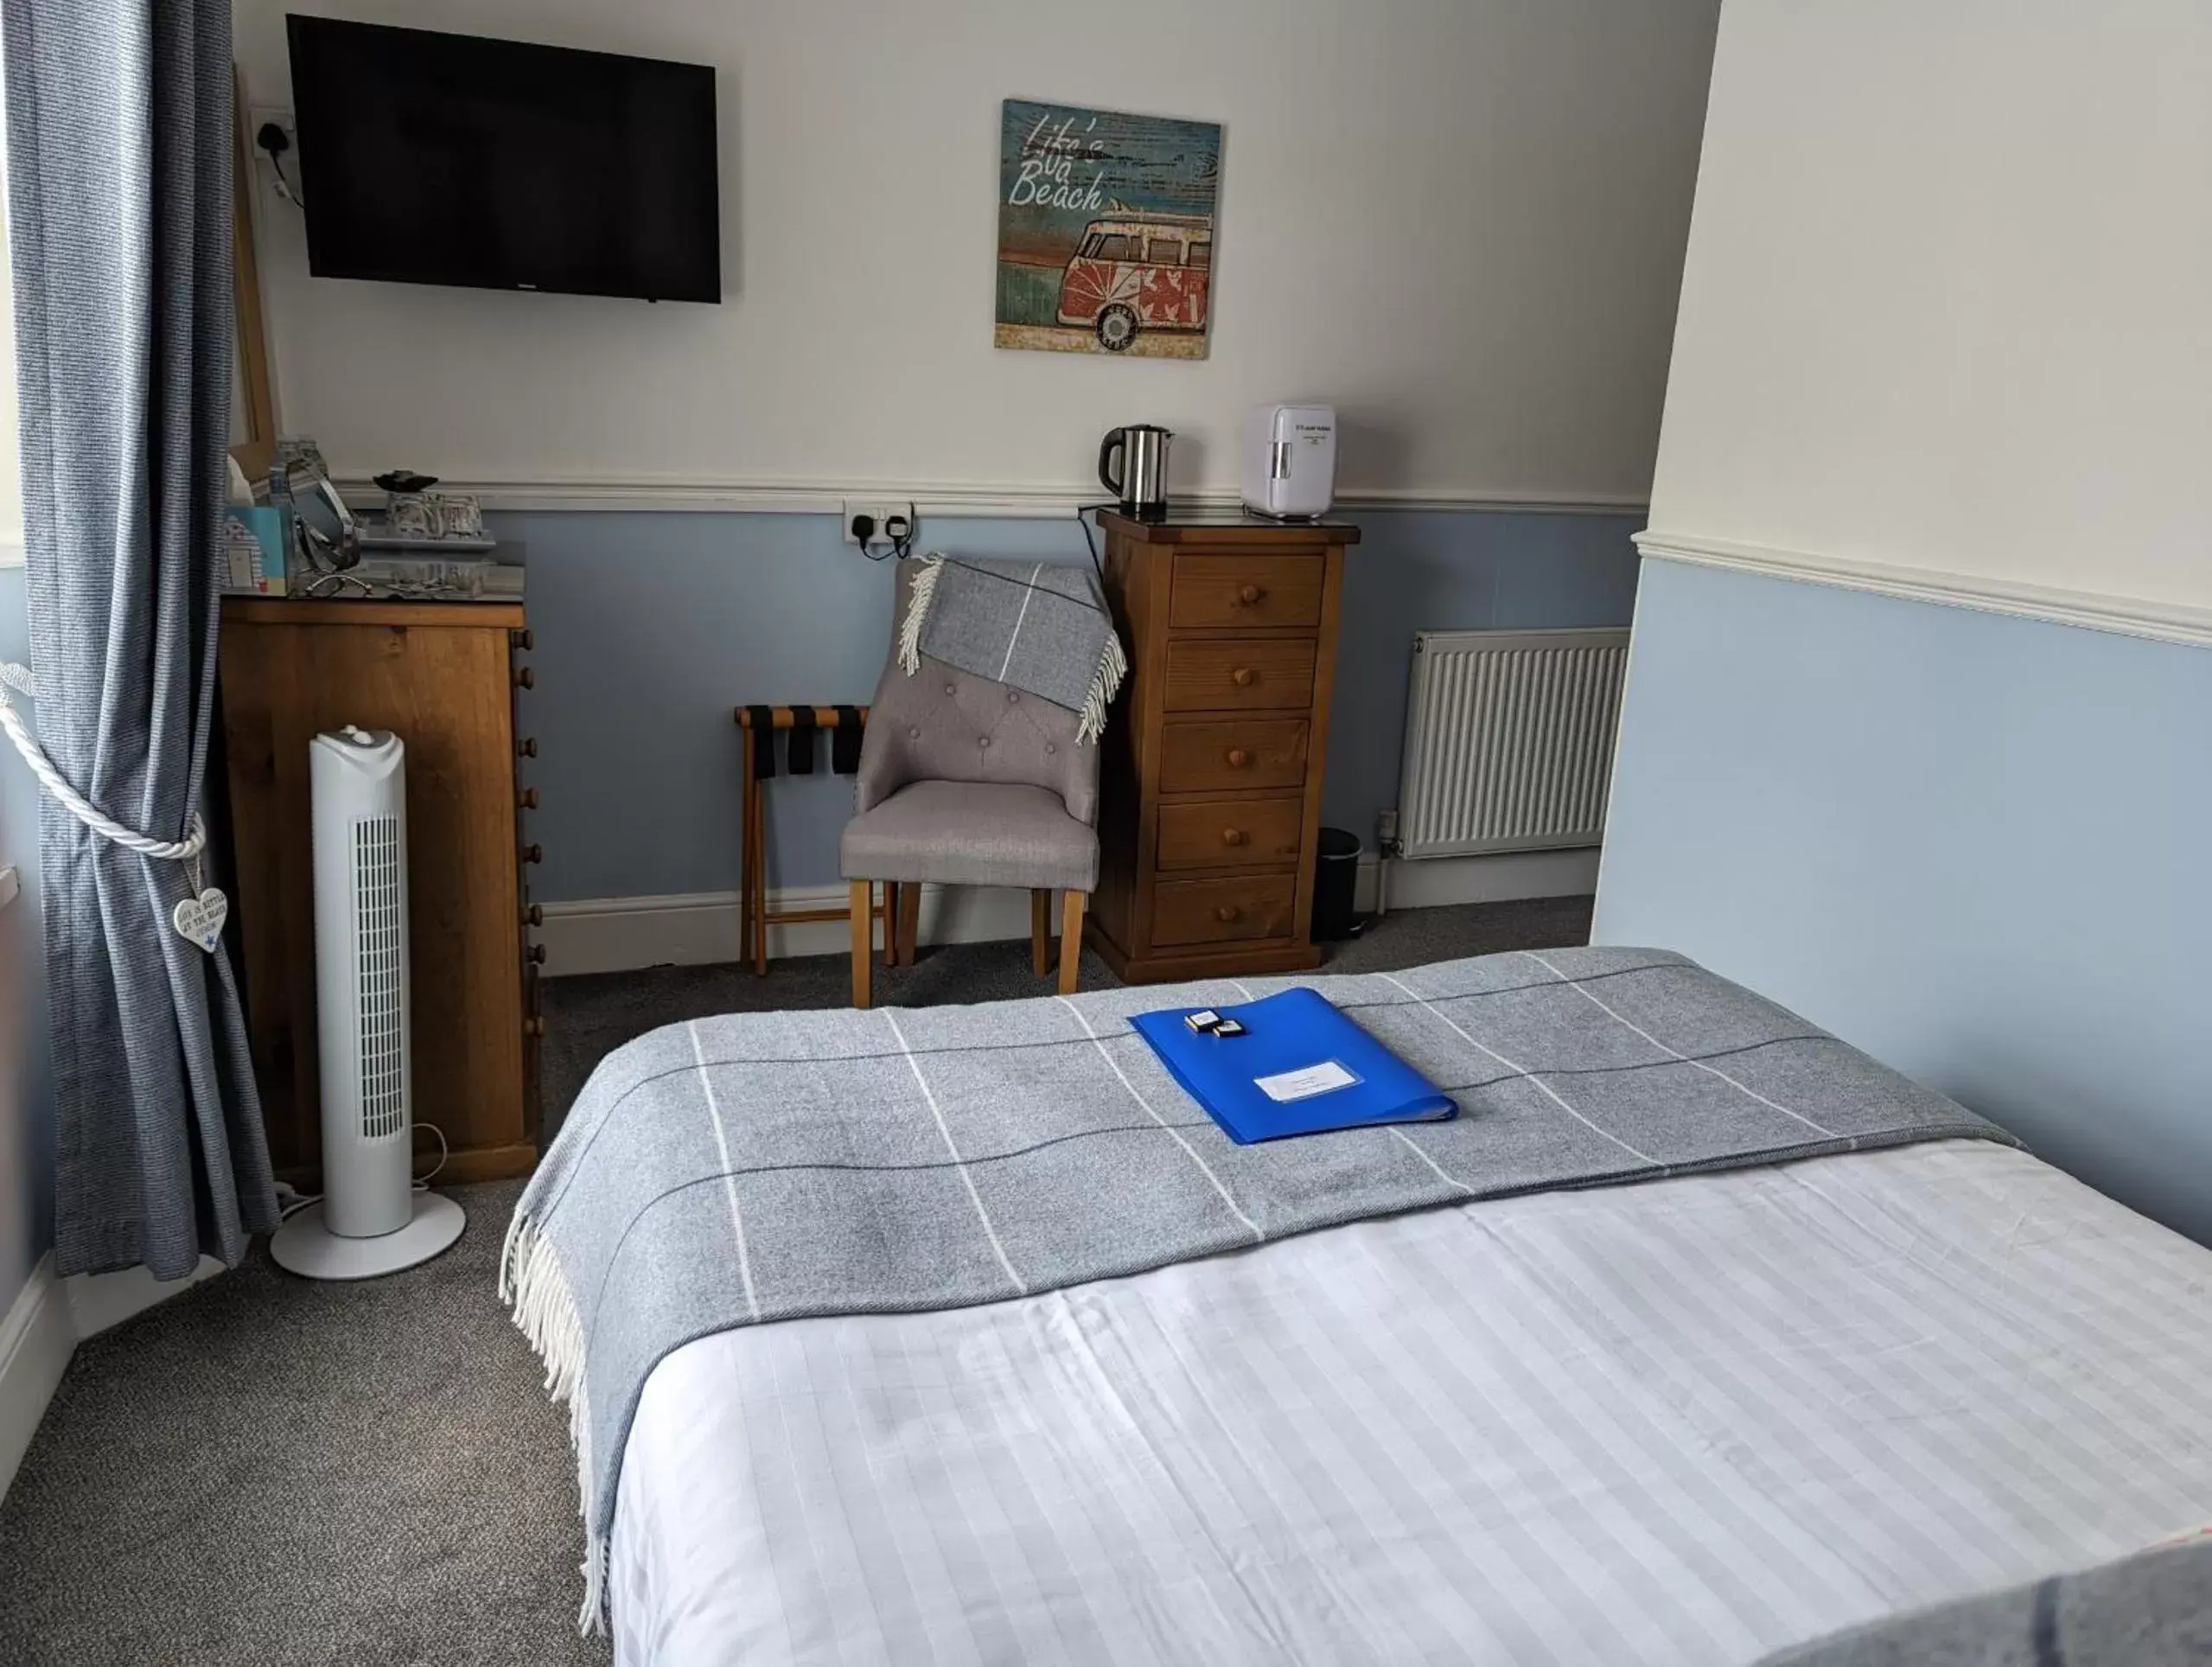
[(433, 158)]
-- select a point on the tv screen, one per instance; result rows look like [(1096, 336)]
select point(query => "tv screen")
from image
[(432, 159)]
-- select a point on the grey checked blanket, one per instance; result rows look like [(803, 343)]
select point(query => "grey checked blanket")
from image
[(763, 1166), (1041, 626), (2150, 1610)]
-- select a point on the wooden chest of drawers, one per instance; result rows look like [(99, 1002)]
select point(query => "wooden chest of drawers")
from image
[(445, 677), (1212, 766)]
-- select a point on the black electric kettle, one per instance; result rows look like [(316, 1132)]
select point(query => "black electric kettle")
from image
[(1141, 482)]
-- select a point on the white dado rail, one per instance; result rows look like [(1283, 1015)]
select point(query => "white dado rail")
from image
[(2131, 615), (943, 498)]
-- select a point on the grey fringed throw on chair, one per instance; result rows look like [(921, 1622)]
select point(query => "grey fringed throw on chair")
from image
[(119, 146)]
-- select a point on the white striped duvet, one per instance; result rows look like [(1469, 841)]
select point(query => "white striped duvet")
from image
[(1685, 1421)]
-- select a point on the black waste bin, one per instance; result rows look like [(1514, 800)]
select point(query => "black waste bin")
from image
[(1336, 876)]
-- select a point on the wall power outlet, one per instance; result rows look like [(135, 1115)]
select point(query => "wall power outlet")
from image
[(879, 515), (265, 170)]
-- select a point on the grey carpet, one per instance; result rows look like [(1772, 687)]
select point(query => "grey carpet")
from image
[(265, 1470)]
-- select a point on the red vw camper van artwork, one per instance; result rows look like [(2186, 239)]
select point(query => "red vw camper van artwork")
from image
[(1105, 231), (1138, 272)]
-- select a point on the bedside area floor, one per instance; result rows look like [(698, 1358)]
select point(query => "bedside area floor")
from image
[(371, 1473)]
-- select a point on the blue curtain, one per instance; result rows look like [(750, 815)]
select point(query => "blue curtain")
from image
[(119, 147)]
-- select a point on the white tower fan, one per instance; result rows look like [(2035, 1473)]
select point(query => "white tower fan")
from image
[(370, 1220)]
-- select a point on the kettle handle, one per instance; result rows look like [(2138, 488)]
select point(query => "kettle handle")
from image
[(1115, 441)]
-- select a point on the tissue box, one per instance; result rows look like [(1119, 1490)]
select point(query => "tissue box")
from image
[(254, 548)]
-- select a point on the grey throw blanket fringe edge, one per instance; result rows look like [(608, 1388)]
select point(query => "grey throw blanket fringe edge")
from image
[(536, 1293), (917, 612), (1106, 680)]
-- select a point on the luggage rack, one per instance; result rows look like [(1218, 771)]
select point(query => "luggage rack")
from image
[(760, 725)]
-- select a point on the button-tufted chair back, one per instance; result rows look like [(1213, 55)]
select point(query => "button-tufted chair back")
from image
[(944, 724)]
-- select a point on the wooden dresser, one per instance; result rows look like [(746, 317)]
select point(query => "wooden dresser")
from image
[(1211, 770), (444, 677)]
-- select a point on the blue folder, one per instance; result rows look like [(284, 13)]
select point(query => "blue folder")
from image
[(1301, 1068)]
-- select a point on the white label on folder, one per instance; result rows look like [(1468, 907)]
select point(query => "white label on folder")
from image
[(1305, 1083)]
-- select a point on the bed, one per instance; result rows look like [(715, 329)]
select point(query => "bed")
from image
[(1721, 1410)]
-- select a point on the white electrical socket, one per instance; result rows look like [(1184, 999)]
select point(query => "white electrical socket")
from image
[(879, 513), (270, 196)]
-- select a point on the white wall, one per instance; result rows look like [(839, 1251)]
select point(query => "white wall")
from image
[(1949, 297), (1945, 332), (1460, 220)]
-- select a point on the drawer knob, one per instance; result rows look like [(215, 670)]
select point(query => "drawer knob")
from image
[(524, 638), (1239, 758), (534, 915), (1226, 912), (527, 746), (1242, 677), (1250, 594), (527, 798), (535, 954), (534, 853), (1234, 836), (524, 678)]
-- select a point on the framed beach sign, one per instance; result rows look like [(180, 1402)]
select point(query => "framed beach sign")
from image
[(1105, 231)]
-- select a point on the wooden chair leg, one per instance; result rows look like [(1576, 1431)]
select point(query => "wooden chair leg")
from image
[(891, 890), (1071, 938), (1039, 931), (862, 895), (758, 838), (910, 920)]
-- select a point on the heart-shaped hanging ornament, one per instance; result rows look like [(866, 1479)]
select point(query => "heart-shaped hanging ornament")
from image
[(201, 919)]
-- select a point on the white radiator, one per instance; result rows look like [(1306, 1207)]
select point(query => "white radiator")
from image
[(1509, 740)]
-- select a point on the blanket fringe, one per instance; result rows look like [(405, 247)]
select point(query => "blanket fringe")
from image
[(1106, 683), (925, 591), (537, 1293)]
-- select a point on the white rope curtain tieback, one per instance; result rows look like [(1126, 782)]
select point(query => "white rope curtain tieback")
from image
[(19, 679)]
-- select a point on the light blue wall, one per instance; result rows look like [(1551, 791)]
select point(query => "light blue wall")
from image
[(1979, 846), (651, 626), (26, 1213), (1460, 572)]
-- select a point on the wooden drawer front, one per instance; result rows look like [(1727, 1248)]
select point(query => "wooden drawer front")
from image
[(1230, 833), (1216, 590), (1234, 752), (1223, 911), (1218, 675)]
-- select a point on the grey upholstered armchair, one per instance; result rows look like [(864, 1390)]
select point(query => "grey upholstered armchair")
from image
[(965, 781)]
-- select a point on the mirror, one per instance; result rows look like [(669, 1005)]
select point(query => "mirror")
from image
[(253, 416)]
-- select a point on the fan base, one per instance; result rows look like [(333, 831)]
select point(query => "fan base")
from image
[(305, 1246)]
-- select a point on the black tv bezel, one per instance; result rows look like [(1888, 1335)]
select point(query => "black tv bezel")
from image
[(305, 125)]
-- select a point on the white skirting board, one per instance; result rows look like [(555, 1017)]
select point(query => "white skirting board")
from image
[(1506, 877), (99, 1300), (36, 1340), (613, 935), (696, 929), (44, 1327)]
